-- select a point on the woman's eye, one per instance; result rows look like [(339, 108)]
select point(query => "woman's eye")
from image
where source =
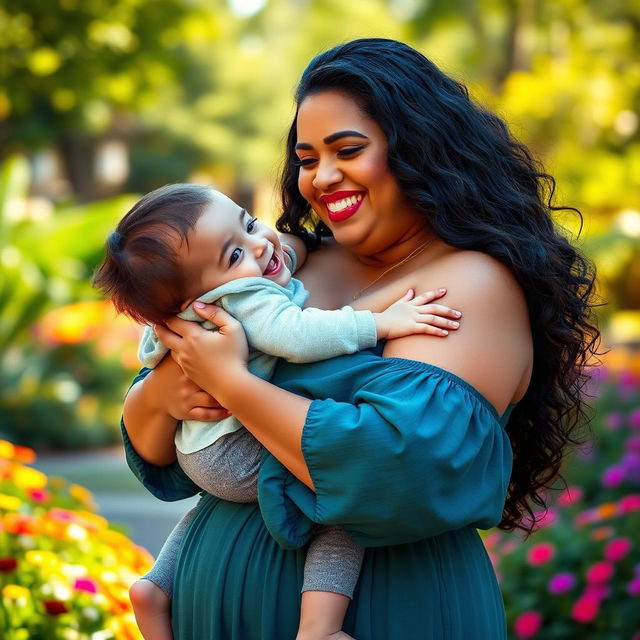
[(251, 225), (304, 162), (350, 151), (235, 256)]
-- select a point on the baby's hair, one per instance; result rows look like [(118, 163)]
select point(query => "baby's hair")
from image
[(141, 273)]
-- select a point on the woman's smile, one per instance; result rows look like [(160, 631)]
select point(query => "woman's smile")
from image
[(341, 205)]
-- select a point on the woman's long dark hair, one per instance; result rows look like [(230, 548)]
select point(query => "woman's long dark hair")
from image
[(478, 189)]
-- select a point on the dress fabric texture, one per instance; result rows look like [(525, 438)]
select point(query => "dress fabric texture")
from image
[(408, 458)]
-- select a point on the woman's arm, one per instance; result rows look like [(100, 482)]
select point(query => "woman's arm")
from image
[(156, 403)]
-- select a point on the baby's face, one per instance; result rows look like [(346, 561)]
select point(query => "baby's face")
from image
[(227, 244)]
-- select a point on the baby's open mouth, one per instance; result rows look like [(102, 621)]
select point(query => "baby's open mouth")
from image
[(273, 267)]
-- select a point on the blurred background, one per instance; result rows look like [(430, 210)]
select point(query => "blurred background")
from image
[(103, 100)]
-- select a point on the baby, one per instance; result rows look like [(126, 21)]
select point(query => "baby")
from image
[(183, 243)]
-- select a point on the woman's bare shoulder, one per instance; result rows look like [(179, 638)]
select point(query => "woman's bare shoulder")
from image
[(492, 349)]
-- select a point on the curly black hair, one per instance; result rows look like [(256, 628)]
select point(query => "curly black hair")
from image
[(478, 189)]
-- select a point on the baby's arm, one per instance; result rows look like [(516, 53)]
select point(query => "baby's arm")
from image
[(331, 572), (277, 326), (417, 314)]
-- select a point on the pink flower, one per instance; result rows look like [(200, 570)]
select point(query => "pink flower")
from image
[(634, 418), (613, 476), (527, 624), (569, 496), (585, 609), (561, 583), (600, 591), (85, 584), (540, 553), (617, 549), (39, 495), (633, 588), (629, 503), (633, 444), (600, 572), (613, 420), (544, 518)]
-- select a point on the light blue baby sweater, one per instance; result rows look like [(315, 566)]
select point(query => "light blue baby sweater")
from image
[(276, 326)]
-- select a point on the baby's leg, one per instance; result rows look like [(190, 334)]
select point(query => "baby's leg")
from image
[(228, 468), (151, 595), (331, 572)]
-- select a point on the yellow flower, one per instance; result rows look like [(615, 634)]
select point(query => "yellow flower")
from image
[(9, 503), (45, 559), (15, 592), (81, 494), (6, 450), (28, 478)]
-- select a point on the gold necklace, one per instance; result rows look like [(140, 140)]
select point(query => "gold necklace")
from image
[(413, 254)]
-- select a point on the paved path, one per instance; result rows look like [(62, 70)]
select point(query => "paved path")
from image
[(120, 497)]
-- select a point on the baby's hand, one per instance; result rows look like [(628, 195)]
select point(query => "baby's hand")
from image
[(411, 315)]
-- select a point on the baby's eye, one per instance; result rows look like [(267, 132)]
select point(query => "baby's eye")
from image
[(235, 256), (251, 225)]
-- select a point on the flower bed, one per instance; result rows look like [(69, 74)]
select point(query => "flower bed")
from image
[(64, 571), (578, 575)]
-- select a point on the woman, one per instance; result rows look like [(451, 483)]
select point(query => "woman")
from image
[(415, 445)]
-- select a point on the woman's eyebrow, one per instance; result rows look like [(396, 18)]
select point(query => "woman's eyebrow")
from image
[(332, 138), (343, 134)]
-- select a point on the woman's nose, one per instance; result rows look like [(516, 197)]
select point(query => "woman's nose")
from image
[(327, 174)]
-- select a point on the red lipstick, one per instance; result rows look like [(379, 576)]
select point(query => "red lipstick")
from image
[(341, 205)]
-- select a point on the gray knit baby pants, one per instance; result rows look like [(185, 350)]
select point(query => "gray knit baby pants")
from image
[(228, 469)]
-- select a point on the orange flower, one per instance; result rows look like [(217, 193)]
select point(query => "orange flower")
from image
[(607, 510)]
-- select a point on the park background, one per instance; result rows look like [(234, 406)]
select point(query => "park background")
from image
[(103, 100)]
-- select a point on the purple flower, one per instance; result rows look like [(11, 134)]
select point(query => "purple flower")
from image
[(634, 418), (561, 583), (633, 587), (613, 476)]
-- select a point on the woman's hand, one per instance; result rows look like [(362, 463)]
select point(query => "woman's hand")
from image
[(180, 397), (210, 359)]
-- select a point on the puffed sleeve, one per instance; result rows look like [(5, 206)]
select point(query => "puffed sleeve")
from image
[(415, 452), (168, 483)]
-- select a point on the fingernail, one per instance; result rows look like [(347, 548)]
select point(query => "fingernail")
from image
[(457, 314), (455, 324), (442, 290), (199, 305)]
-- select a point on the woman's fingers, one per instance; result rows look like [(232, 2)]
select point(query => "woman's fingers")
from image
[(167, 337), (207, 414), (216, 315)]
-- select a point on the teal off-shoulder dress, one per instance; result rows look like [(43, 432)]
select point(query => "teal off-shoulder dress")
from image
[(408, 458)]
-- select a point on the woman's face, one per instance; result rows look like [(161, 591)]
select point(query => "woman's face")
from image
[(345, 177)]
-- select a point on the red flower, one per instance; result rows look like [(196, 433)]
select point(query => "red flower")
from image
[(541, 553), (600, 572), (8, 565), (527, 624), (55, 607), (585, 609)]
